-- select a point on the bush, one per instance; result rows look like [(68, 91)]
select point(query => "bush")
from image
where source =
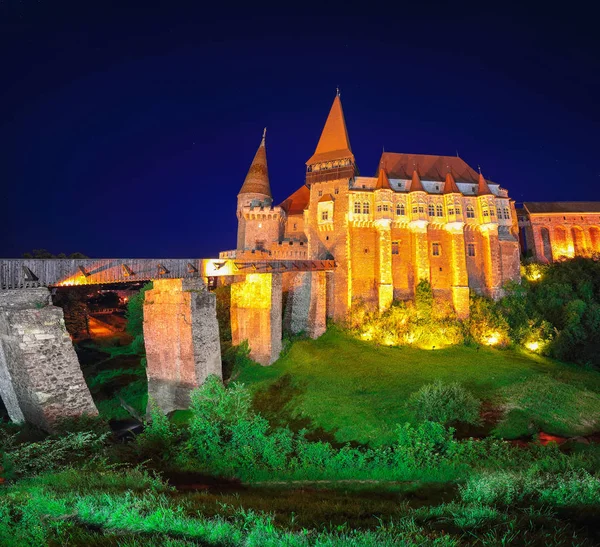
[(445, 404), (159, 434), (425, 445), (135, 312), (487, 325)]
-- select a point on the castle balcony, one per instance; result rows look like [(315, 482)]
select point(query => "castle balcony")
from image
[(346, 172)]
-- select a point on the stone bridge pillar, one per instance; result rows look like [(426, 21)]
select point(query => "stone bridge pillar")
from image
[(256, 315), (307, 303), (40, 378), (181, 335)]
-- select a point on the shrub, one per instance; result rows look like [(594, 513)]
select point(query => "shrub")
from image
[(445, 404), (159, 434), (487, 325), (424, 445), (135, 312)]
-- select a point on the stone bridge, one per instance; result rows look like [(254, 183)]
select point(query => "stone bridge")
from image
[(40, 377)]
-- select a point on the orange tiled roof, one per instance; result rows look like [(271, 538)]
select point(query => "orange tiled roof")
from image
[(482, 187), (450, 185), (383, 182), (334, 143), (415, 185), (326, 197), (257, 179), (541, 207), (297, 202), (434, 168)]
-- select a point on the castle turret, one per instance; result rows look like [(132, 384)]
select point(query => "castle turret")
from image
[(258, 223)]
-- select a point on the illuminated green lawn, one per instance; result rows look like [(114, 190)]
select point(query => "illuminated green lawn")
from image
[(358, 390)]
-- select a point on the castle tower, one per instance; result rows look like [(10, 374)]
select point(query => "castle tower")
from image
[(489, 230), (329, 173), (257, 224), (418, 226), (455, 228), (383, 224)]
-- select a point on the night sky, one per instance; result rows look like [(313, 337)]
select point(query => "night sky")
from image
[(127, 132)]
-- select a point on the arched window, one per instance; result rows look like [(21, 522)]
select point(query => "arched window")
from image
[(470, 211), (430, 210), (366, 208), (439, 210), (415, 209), (400, 209), (357, 207)]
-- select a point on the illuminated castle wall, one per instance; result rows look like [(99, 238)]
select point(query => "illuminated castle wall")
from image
[(559, 230), (420, 217)]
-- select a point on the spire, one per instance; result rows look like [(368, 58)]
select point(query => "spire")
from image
[(334, 143), (450, 184), (482, 187), (383, 182), (415, 185), (257, 179)]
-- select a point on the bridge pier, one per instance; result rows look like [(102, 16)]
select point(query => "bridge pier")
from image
[(256, 315), (306, 305), (40, 378), (181, 335)]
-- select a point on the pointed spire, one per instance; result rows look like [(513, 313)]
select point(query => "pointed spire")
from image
[(415, 185), (257, 179), (450, 184), (334, 143), (482, 187), (383, 182)]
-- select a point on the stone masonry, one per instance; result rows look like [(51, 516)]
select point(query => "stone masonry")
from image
[(181, 335), (40, 378), (256, 315)]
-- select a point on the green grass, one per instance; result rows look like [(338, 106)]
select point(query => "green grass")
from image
[(358, 391)]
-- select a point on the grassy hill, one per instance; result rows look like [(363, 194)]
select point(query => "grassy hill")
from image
[(357, 390)]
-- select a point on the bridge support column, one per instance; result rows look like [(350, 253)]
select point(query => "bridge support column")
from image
[(307, 302), (256, 315), (181, 335), (40, 377)]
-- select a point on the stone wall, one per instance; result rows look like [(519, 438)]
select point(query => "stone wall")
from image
[(181, 335), (40, 377), (256, 315)]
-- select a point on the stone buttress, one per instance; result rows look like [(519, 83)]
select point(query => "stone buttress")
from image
[(40, 377), (181, 335)]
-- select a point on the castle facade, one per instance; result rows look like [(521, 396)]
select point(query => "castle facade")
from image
[(420, 217)]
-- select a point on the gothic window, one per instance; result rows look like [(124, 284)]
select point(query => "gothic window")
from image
[(492, 212), (324, 215), (415, 209), (386, 207), (486, 212), (470, 211), (357, 207), (379, 208), (506, 214), (457, 209), (499, 212), (430, 210), (400, 209), (395, 247), (439, 210), (436, 249), (366, 208), (450, 210), (470, 249), (421, 208)]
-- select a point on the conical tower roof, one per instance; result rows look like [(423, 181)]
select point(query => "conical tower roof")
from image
[(257, 179), (482, 187), (334, 143), (415, 185), (450, 185), (383, 182)]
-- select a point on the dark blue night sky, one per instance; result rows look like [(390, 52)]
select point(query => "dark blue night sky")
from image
[(128, 131)]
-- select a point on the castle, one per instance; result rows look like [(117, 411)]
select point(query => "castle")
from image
[(421, 217)]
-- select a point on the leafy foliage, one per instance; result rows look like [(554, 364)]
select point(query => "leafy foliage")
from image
[(445, 404)]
